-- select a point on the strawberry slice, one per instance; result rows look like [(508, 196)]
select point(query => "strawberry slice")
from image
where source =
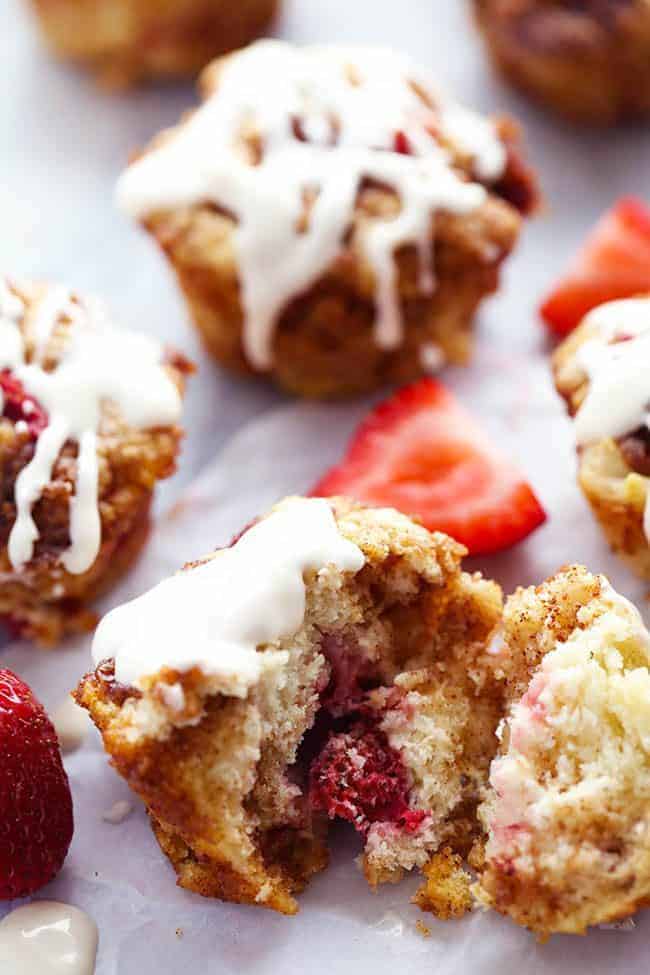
[(614, 262), (421, 452)]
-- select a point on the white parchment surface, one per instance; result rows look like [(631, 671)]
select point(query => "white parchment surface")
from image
[(117, 873), (62, 145)]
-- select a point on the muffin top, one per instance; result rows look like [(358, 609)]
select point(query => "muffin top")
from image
[(310, 150), (88, 410)]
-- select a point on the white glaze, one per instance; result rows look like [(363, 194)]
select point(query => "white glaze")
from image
[(216, 615), (619, 385), (350, 104), (118, 812), (71, 724), (618, 397), (99, 363), (47, 938)]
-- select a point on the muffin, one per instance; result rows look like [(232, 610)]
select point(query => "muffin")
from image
[(568, 809), (127, 41), (331, 663), (333, 218), (589, 61), (88, 425), (601, 371)]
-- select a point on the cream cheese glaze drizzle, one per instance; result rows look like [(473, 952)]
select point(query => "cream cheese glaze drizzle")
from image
[(616, 360), (328, 119), (48, 938), (215, 616), (99, 363)]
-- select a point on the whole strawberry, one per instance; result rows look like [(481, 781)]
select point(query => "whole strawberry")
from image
[(35, 802)]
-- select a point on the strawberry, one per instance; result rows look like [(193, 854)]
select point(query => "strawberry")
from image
[(421, 452), (17, 405), (614, 262), (35, 801)]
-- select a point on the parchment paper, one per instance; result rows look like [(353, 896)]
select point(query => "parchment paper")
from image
[(62, 144)]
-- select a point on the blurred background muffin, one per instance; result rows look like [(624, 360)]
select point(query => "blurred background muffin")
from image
[(125, 41), (587, 60)]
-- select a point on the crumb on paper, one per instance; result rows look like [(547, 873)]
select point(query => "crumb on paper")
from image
[(179, 932), (445, 892), (422, 929), (118, 812)]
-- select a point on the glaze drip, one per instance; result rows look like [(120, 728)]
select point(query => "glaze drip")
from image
[(616, 360), (247, 596), (98, 363), (325, 120)]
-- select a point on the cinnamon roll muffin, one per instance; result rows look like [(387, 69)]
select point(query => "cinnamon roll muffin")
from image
[(333, 218), (589, 60), (88, 425), (330, 664), (126, 41), (601, 370)]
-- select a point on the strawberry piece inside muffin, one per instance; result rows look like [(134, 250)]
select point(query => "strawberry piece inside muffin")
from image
[(360, 778)]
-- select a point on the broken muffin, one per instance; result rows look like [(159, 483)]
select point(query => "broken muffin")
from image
[(567, 813), (330, 664), (601, 371), (334, 219), (88, 424)]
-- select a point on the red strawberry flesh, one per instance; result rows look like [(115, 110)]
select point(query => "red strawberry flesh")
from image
[(421, 452), (613, 263), (360, 778)]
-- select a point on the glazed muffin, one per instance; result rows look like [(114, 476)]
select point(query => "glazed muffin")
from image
[(331, 663), (589, 61), (601, 371), (568, 810), (334, 220), (126, 41), (88, 425)]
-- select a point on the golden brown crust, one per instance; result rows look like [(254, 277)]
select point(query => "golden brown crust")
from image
[(43, 601), (616, 493), (324, 344), (127, 41), (590, 62)]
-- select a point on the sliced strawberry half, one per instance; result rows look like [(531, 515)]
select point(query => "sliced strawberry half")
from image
[(614, 262), (421, 452)]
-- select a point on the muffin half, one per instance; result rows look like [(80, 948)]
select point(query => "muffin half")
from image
[(329, 664), (568, 809)]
